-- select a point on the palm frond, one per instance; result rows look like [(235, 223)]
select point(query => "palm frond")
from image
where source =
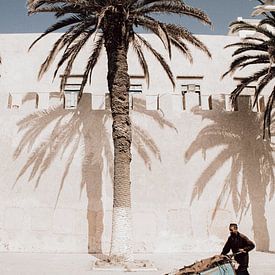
[(156, 27), (74, 38), (71, 55), (262, 84), (180, 45), (177, 7), (244, 44), (142, 61), (267, 21), (245, 82), (92, 62), (145, 3), (158, 56), (65, 40), (253, 38), (241, 25), (260, 48), (58, 45), (245, 60), (258, 61), (59, 25), (267, 115), (57, 10), (182, 33)]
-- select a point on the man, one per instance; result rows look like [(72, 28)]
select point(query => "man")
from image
[(240, 245)]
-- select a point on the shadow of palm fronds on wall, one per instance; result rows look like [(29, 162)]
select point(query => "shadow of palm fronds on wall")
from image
[(142, 139), (56, 132), (251, 174)]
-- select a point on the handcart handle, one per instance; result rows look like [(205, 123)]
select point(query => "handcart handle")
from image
[(234, 254)]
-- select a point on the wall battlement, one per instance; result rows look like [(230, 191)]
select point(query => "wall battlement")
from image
[(169, 102)]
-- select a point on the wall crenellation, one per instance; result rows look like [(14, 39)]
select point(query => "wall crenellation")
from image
[(167, 102)]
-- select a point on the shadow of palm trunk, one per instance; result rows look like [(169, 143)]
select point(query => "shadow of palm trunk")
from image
[(71, 130), (257, 197), (92, 178), (95, 206), (97, 147)]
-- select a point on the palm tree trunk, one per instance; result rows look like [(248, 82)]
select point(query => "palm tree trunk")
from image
[(116, 45)]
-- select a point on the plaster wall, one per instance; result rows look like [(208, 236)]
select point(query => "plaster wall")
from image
[(20, 66), (193, 172)]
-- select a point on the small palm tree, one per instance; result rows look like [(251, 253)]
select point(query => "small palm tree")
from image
[(258, 53), (111, 24)]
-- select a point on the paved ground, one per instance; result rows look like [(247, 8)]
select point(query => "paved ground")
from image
[(81, 264)]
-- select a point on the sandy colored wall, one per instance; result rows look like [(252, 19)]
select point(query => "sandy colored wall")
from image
[(20, 67), (193, 172)]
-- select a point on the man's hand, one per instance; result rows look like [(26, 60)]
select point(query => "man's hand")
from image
[(242, 250)]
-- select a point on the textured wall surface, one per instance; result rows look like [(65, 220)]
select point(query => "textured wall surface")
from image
[(194, 170)]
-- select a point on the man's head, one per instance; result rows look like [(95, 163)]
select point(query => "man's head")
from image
[(233, 228)]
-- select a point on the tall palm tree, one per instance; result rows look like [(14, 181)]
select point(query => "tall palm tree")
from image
[(111, 23), (257, 53)]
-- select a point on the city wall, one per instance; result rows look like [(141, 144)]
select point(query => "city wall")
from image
[(197, 164)]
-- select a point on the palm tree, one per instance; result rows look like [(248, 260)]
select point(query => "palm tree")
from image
[(258, 53), (111, 23)]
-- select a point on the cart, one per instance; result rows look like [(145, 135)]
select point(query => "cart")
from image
[(216, 265)]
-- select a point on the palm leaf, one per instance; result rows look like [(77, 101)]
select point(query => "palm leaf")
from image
[(245, 82), (267, 115), (142, 61), (60, 24), (175, 8), (92, 62), (158, 56)]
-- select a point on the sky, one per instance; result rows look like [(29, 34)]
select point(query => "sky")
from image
[(14, 18)]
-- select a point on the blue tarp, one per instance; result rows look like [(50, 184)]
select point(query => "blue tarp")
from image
[(224, 269)]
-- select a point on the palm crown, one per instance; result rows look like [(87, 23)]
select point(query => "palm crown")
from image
[(256, 50), (87, 18)]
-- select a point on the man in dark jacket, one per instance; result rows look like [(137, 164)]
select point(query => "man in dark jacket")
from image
[(240, 244)]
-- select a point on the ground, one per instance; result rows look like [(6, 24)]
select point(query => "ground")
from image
[(81, 264)]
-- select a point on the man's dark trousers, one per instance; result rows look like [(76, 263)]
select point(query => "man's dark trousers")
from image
[(242, 271)]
